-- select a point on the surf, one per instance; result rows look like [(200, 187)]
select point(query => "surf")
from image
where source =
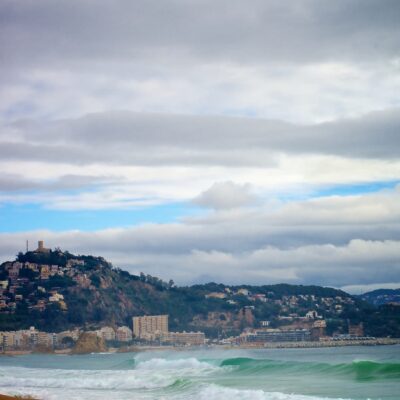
[(360, 370)]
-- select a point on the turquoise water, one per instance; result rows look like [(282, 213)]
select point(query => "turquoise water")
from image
[(264, 374)]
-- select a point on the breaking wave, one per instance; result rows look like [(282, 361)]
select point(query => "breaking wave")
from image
[(181, 364), (173, 376), (360, 370), (84, 379)]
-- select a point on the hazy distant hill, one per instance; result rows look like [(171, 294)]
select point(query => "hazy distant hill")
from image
[(381, 296), (56, 290)]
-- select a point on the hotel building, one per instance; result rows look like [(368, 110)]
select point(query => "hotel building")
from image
[(150, 326)]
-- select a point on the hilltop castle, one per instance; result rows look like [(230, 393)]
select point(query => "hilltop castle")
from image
[(41, 248)]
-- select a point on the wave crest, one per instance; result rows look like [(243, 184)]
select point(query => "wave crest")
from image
[(179, 364), (359, 370)]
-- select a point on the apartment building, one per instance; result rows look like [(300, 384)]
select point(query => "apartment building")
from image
[(150, 326)]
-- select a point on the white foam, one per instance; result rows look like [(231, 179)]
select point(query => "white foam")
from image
[(150, 379), (178, 364), (155, 373), (84, 379), (215, 392)]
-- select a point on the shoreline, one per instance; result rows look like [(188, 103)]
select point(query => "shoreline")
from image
[(266, 345), (321, 344)]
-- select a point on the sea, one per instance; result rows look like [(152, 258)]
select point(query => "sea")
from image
[(209, 374)]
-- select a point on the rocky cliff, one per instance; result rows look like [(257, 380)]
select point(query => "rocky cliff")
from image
[(89, 343)]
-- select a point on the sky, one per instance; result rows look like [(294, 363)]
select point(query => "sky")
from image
[(240, 142)]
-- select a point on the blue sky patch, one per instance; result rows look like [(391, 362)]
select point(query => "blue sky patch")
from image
[(355, 189), (17, 218)]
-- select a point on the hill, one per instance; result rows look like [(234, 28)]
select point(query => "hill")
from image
[(55, 290), (381, 296)]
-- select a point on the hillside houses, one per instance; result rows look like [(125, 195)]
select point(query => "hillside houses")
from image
[(37, 285)]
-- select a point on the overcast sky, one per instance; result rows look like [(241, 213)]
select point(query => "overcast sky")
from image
[(229, 141)]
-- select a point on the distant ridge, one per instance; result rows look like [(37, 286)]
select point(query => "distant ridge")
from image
[(379, 297)]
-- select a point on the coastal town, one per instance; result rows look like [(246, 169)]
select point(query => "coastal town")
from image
[(43, 286), (153, 331), (146, 330)]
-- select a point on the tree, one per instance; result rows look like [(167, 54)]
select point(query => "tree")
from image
[(20, 256), (67, 341)]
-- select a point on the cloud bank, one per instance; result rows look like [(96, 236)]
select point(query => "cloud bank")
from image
[(329, 241), (309, 61), (278, 120)]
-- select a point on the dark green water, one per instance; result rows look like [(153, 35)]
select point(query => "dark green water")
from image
[(270, 374)]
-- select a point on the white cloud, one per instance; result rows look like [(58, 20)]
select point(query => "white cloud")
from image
[(226, 195), (336, 242), (301, 94), (135, 159)]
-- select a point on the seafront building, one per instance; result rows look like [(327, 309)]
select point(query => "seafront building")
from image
[(26, 339), (185, 338), (123, 334), (277, 335), (150, 327), (155, 327)]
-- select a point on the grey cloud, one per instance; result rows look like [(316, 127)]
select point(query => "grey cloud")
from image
[(161, 139), (15, 182), (267, 31), (300, 61)]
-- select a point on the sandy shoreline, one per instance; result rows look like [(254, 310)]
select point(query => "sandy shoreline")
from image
[(6, 397), (271, 345)]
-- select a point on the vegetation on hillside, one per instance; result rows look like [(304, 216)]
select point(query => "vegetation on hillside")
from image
[(96, 294)]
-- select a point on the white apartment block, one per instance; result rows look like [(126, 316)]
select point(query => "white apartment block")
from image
[(150, 326)]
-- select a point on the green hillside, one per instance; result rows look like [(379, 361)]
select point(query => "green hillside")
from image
[(56, 290)]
